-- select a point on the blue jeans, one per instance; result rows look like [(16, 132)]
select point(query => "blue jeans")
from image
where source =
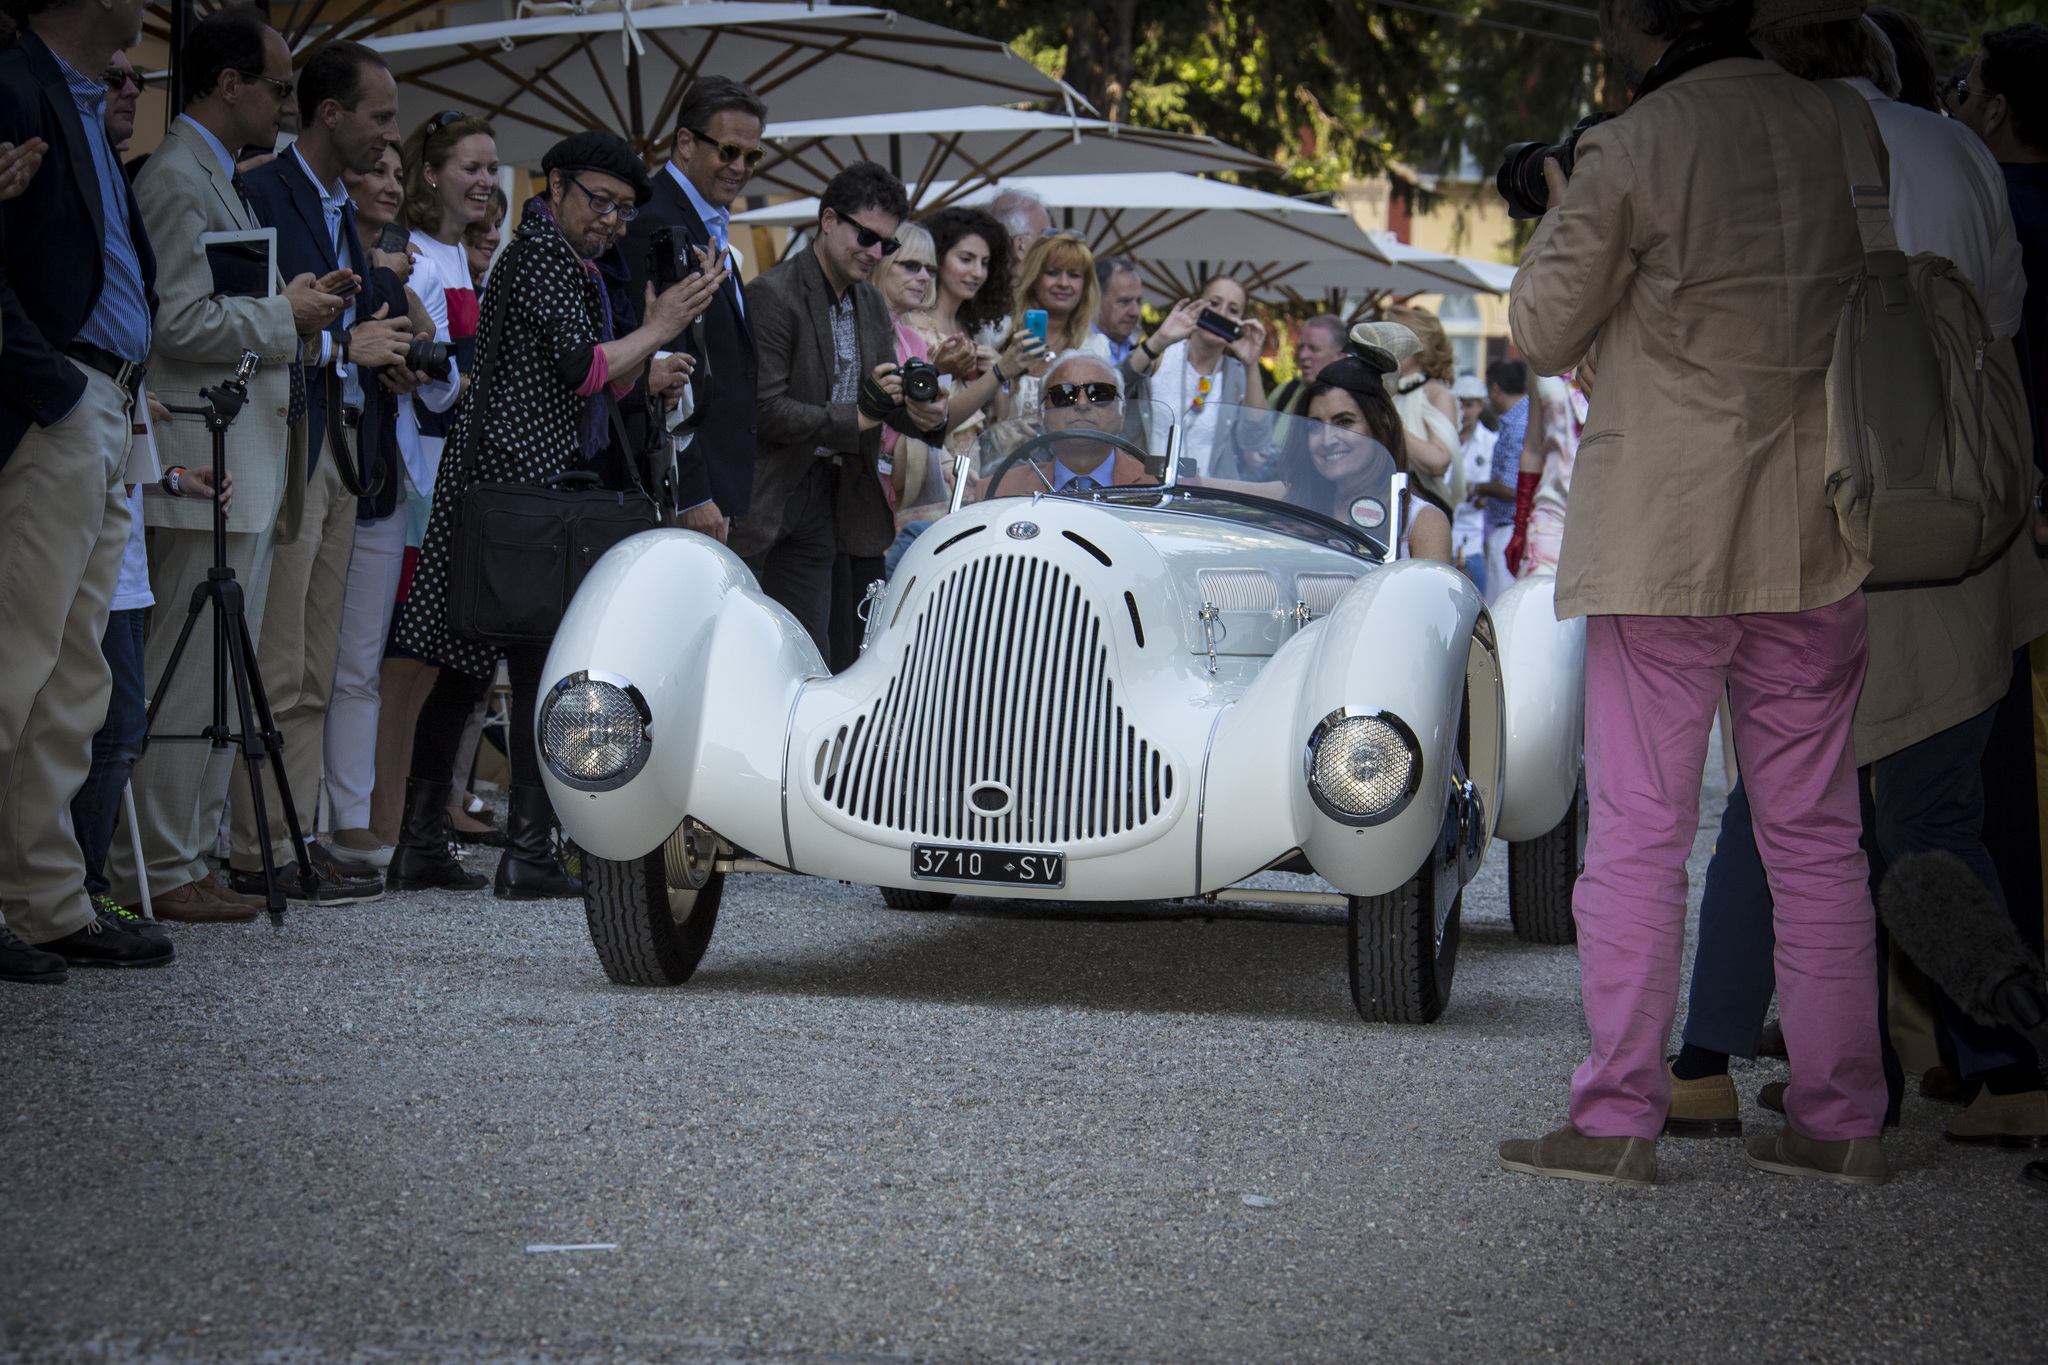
[(114, 749), (1927, 796), (1474, 568), (911, 531)]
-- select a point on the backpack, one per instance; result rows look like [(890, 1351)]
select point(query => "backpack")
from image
[(1930, 452)]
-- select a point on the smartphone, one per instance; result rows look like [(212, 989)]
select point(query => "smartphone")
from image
[(1035, 323), (1217, 324), (663, 265), (393, 239), (348, 288)]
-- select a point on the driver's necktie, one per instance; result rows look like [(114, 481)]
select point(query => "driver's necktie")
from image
[(1082, 482)]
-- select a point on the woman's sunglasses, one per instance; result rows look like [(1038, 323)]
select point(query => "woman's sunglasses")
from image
[(915, 267), (1069, 395), (443, 119)]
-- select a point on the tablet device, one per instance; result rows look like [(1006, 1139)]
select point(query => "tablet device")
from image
[(244, 262)]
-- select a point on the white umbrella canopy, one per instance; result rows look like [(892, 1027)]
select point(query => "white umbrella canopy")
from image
[(540, 79), (947, 155)]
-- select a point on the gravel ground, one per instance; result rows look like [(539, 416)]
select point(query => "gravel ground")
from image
[(998, 1134)]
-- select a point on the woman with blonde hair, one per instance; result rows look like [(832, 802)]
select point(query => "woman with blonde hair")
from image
[(1057, 276), (1428, 408)]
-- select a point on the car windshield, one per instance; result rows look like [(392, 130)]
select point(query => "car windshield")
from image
[(1245, 463)]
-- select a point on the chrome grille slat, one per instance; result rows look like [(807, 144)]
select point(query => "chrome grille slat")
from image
[(1005, 676)]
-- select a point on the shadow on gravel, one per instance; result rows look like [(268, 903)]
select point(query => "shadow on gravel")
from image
[(1182, 963)]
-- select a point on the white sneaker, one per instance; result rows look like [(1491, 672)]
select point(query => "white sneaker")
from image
[(359, 845)]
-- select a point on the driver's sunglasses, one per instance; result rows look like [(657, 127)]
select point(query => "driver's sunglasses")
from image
[(1068, 395), (603, 205), (115, 78), (1958, 89), (867, 237)]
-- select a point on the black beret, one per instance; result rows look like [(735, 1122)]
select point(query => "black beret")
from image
[(607, 153)]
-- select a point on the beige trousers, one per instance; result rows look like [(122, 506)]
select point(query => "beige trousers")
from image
[(301, 635), (63, 526), (179, 786)]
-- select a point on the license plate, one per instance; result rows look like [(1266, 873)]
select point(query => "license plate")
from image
[(1006, 866)]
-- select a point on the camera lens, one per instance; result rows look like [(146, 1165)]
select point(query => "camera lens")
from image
[(1521, 182), (920, 382), (429, 358)]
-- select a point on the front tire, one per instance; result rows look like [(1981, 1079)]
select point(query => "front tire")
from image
[(1401, 962), (651, 918), (1542, 874), (898, 898)]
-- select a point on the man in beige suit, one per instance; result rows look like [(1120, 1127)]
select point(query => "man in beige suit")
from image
[(1705, 242), (240, 74)]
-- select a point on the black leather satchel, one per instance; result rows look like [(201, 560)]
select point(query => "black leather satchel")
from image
[(520, 550)]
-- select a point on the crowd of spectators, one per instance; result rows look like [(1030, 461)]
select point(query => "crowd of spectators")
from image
[(422, 337)]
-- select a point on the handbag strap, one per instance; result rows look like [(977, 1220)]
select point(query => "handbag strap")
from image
[(489, 341), (1867, 192)]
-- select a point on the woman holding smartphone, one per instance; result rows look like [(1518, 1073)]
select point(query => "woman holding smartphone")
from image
[(1057, 298), (1211, 380)]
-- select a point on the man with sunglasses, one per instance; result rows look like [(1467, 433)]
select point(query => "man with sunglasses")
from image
[(717, 145), (828, 383), (239, 91), (1082, 394), (78, 301)]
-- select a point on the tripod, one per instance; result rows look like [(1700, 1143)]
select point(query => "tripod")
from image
[(234, 657)]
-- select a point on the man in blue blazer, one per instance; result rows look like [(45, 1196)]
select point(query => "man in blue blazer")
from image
[(717, 146), (348, 106), (77, 303)]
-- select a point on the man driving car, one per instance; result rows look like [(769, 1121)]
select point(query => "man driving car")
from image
[(1081, 394)]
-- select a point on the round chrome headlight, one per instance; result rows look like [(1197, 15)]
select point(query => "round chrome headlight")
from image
[(593, 731), (1363, 770)]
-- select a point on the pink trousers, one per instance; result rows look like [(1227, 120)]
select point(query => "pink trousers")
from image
[(1652, 684)]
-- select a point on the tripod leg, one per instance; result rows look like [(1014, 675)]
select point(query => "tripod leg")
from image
[(274, 741), (200, 596), (242, 666)]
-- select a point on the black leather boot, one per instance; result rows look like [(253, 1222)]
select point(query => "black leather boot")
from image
[(422, 862), (529, 870)]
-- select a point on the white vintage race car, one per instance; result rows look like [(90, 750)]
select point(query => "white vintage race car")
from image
[(1209, 664)]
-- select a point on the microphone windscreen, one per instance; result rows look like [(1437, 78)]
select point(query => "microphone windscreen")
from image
[(1947, 922)]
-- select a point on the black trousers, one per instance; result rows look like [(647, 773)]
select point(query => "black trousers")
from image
[(797, 569), (455, 694), (851, 575)]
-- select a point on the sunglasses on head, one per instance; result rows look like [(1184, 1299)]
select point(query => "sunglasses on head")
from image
[(1070, 395), (1071, 234), (867, 237), (443, 119)]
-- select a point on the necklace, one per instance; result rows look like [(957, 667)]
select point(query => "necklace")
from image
[(1204, 384)]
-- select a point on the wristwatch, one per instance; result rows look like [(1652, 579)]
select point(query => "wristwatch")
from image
[(1146, 347), (169, 482)]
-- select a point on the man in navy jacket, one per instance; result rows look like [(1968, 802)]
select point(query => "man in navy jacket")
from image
[(717, 145), (348, 106), (77, 300)]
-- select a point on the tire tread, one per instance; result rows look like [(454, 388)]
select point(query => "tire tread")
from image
[(638, 944)]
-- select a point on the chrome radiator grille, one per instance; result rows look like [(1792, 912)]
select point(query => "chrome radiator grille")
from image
[(1002, 724)]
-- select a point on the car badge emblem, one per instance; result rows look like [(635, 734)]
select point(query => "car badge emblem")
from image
[(1369, 513), (1023, 530)]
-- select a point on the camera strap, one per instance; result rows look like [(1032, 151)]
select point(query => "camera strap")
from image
[(1693, 50), (356, 478)]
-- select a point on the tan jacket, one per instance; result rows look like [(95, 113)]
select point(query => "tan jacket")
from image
[(199, 336), (1707, 243)]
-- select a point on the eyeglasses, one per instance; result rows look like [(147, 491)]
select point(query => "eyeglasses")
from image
[(443, 119), (915, 267), (729, 152), (116, 77), (603, 205), (284, 88), (1071, 234), (867, 237), (1069, 395)]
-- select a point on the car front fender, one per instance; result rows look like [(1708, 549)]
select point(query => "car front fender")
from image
[(1544, 663)]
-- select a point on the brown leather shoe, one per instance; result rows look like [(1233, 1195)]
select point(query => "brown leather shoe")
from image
[(189, 904), (1851, 1161), (215, 888), (1771, 1042), (1703, 1108), (1571, 1155), (1772, 1096), (1939, 1083)]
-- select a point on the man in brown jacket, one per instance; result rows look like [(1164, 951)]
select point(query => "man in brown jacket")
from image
[(827, 384), (1704, 244)]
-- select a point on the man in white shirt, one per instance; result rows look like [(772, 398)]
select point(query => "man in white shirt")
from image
[(1475, 460)]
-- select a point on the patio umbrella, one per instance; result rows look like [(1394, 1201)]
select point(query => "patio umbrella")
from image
[(966, 150), (540, 79)]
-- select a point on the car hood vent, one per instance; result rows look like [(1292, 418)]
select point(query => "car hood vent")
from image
[(1006, 679)]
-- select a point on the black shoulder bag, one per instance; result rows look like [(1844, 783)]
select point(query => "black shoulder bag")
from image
[(519, 551)]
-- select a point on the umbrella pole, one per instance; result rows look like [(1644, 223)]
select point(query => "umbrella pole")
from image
[(181, 26)]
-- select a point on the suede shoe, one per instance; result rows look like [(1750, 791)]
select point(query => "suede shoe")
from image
[(1703, 1108), (132, 922), (30, 965), (213, 887), (106, 942), (2003, 1120), (1571, 1155), (190, 904), (1853, 1161)]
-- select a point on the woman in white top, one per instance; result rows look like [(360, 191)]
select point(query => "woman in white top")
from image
[(1057, 277), (1215, 387), (1428, 408)]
